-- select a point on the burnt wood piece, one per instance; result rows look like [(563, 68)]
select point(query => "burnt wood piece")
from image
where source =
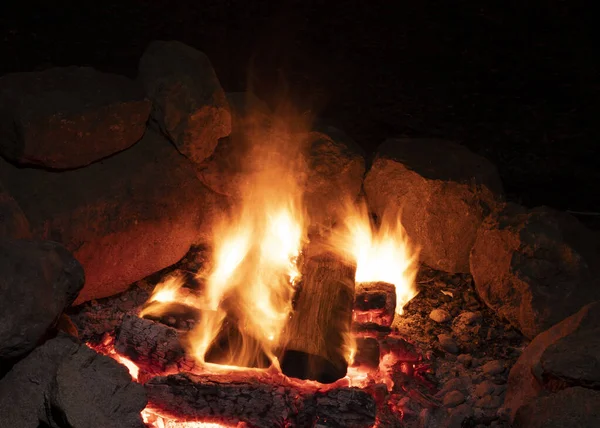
[(152, 346), (315, 337), (375, 302), (367, 353), (260, 400)]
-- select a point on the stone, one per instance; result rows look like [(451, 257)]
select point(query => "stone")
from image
[(69, 117), (188, 104), (123, 218), (448, 344), (13, 223), (51, 387), (458, 416), (443, 192), (39, 281), (493, 367), (572, 407), (484, 388), (537, 373), (535, 267), (440, 315), (465, 359), (489, 402), (453, 399)]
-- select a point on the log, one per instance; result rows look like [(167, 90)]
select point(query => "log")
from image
[(315, 337), (259, 399), (154, 347), (367, 353), (375, 302)]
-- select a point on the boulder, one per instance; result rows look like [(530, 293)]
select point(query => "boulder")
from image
[(188, 103), (13, 223), (442, 191), (64, 118), (564, 356), (38, 281), (123, 218), (535, 267), (572, 407), (64, 383)]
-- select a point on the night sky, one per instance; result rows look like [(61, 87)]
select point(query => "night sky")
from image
[(516, 83)]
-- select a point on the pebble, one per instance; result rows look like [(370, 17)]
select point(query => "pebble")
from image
[(458, 415), (489, 402), (453, 399), (448, 344), (484, 388), (440, 315), (493, 367), (465, 359)]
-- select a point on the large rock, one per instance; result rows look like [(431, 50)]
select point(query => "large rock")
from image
[(442, 191), (535, 267), (13, 223), (69, 117), (64, 383), (565, 356), (123, 218), (573, 407), (38, 280), (188, 103)]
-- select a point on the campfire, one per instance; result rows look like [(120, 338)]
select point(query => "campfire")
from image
[(196, 258)]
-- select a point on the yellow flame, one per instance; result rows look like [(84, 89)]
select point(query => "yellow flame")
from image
[(169, 290), (381, 253)]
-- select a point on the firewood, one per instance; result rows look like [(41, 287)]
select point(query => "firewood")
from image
[(314, 342), (258, 399), (367, 353), (375, 302)]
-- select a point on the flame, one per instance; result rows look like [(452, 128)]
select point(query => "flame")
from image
[(381, 253), (171, 289)]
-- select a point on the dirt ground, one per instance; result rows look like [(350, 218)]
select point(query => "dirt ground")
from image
[(517, 82)]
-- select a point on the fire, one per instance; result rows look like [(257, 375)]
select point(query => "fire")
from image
[(381, 253)]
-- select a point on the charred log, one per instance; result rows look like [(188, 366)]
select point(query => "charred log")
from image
[(367, 353), (375, 302), (259, 400), (319, 327)]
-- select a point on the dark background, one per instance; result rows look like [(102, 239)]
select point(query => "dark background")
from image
[(516, 81)]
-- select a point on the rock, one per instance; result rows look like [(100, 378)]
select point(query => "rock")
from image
[(453, 399), (572, 407), (335, 173), (484, 388), (443, 192), (465, 359), (39, 280), (13, 223), (536, 373), (493, 367), (535, 267), (114, 400), (448, 344), (440, 315), (123, 218), (43, 388), (458, 416), (489, 402), (64, 118), (188, 103)]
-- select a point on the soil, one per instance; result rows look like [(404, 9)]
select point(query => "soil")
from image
[(517, 82)]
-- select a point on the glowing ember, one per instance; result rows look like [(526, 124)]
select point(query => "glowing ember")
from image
[(381, 253), (107, 347), (154, 421)]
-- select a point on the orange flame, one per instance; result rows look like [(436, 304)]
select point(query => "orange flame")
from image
[(381, 253)]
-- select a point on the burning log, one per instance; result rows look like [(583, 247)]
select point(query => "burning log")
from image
[(154, 347), (375, 302), (367, 353), (315, 346), (258, 399)]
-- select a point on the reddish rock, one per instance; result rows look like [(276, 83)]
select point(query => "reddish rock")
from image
[(188, 103), (64, 118), (535, 267), (13, 223), (545, 365), (123, 218), (443, 192), (572, 407), (39, 281)]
